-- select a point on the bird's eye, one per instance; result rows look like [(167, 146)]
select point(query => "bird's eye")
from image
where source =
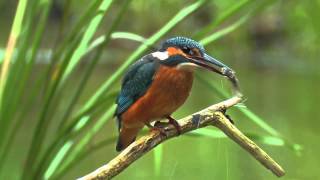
[(187, 50)]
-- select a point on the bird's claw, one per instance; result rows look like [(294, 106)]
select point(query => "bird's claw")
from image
[(161, 131), (175, 124), (157, 127)]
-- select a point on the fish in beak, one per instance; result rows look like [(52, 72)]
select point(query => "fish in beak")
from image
[(212, 64)]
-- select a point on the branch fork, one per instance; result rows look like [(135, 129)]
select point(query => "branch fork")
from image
[(212, 115)]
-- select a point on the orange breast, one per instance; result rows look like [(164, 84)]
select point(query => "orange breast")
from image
[(168, 91)]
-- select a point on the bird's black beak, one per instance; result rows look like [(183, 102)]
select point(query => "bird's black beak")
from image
[(215, 65)]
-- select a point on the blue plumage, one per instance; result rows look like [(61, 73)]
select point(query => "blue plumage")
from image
[(135, 83), (182, 42)]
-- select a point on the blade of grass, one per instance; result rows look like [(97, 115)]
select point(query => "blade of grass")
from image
[(235, 8), (87, 74), (5, 70), (95, 43), (66, 9), (77, 30), (13, 38), (81, 50), (64, 150), (24, 75), (221, 33), (129, 36), (44, 120), (245, 6), (4, 117), (2, 51), (267, 140), (132, 37), (21, 116), (84, 44), (57, 160), (84, 154), (67, 48), (52, 152), (20, 59), (17, 66), (78, 148), (157, 158), (101, 46)]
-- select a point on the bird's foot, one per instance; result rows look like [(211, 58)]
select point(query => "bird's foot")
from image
[(156, 128), (174, 123)]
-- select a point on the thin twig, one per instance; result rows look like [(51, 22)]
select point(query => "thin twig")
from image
[(210, 116)]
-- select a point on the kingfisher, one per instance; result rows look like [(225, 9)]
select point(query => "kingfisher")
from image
[(159, 83)]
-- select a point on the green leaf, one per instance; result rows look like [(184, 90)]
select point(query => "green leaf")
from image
[(79, 147), (5, 68), (158, 155), (129, 36), (57, 160), (227, 13), (219, 34), (4, 74), (19, 79), (44, 119), (84, 43), (267, 140)]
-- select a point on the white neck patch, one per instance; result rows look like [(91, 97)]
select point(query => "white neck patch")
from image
[(160, 55), (187, 66)]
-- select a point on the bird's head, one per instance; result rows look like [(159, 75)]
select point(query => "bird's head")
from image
[(185, 53)]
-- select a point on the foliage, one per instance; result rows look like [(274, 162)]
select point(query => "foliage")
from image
[(63, 124)]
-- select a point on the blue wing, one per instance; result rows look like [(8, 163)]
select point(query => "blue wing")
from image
[(135, 83)]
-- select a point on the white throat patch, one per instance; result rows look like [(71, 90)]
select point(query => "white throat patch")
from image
[(187, 66), (160, 55)]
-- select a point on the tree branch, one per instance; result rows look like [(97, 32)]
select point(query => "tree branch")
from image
[(210, 116)]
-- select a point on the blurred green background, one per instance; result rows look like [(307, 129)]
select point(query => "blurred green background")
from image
[(57, 94)]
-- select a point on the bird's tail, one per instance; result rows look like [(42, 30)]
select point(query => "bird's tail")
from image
[(126, 137)]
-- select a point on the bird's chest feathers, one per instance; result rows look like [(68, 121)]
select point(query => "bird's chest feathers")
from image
[(171, 87), (169, 90), (173, 81)]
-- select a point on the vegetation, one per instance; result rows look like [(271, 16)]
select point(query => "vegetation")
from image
[(62, 63)]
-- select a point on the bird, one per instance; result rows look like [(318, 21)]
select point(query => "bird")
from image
[(159, 83)]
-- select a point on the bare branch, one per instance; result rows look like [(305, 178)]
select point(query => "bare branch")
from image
[(210, 116)]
